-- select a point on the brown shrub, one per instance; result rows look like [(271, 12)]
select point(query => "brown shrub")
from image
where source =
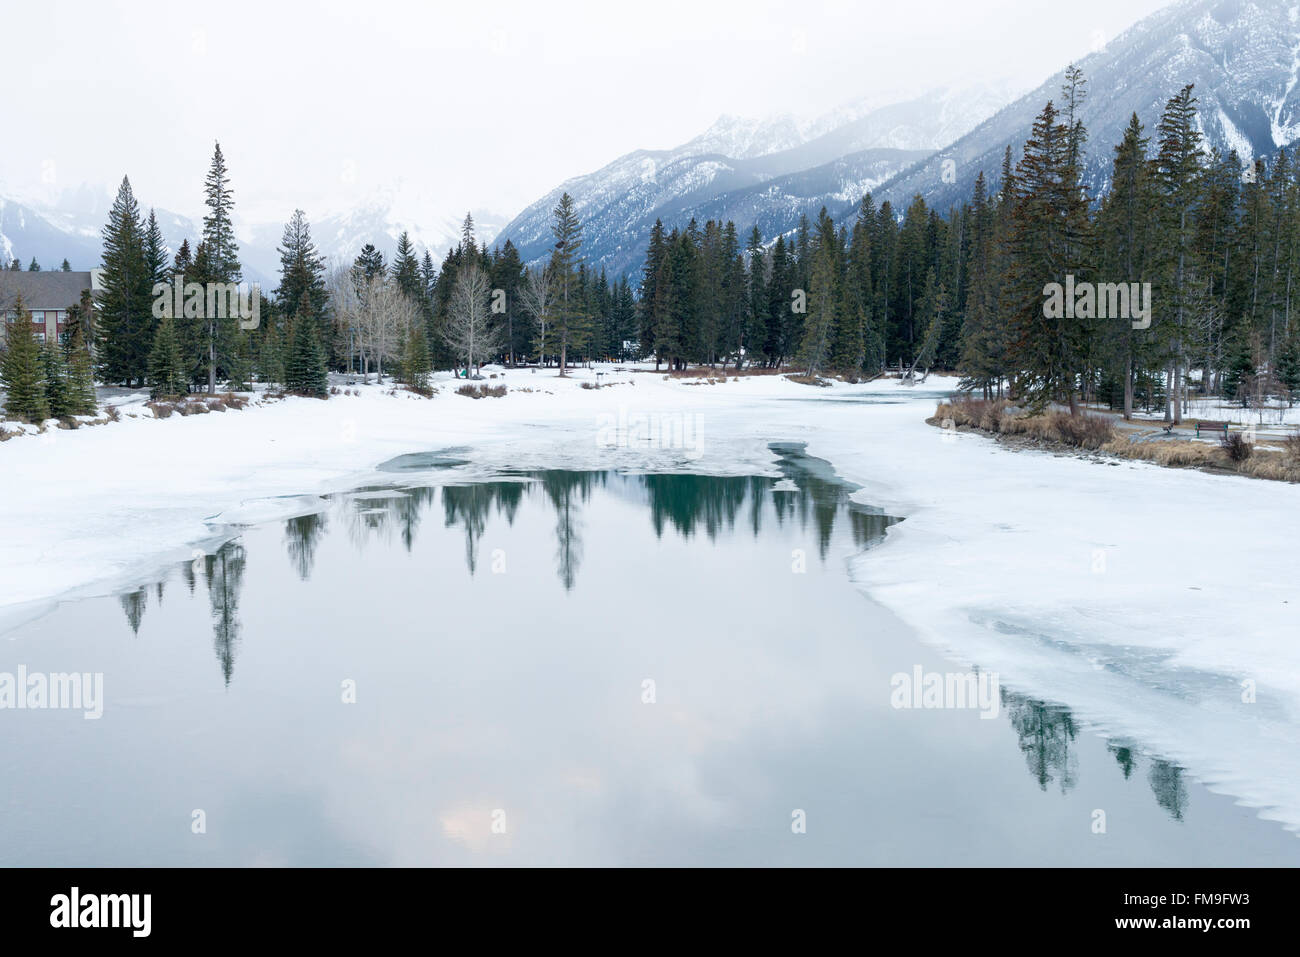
[(1083, 431), (1235, 446)]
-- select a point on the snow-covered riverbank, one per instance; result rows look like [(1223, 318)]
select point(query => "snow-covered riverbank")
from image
[(1141, 597)]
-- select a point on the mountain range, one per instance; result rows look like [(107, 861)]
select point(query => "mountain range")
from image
[(763, 172), (1243, 56), (69, 224)]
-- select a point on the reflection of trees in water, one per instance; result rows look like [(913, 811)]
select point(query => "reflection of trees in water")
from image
[(686, 503), (1167, 784), (224, 573), (1046, 732), (567, 490), (370, 516), (375, 511), (301, 536), (408, 508), (1124, 757), (133, 604), (469, 507)]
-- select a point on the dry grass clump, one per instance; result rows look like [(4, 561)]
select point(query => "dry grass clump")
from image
[(810, 380), (482, 391), (1002, 418), (1275, 467), (1233, 453), (193, 405), (1171, 453)]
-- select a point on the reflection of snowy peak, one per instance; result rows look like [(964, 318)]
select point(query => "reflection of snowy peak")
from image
[(1242, 55), (752, 171)]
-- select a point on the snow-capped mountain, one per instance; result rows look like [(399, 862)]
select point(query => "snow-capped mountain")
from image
[(69, 224), (750, 169), (1242, 55)]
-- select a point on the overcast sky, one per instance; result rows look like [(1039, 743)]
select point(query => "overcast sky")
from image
[(476, 105)]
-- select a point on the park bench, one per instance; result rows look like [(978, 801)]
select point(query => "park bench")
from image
[(1211, 428)]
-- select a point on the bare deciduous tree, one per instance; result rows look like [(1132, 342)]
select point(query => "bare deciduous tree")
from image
[(386, 315), (535, 291), (344, 305), (470, 331)]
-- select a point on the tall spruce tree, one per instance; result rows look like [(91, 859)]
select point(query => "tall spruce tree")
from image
[(81, 375), (58, 395), (167, 373), (222, 266), (22, 372), (304, 367), (570, 319), (125, 305), (302, 270), (1050, 226), (1177, 174)]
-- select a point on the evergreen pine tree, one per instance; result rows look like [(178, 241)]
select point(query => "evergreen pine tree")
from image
[(302, 271), (1050, 224), (1239, 376), (126, 303), (416, 364), (756, 318), (21, 371), (656, 252), (167, 373), (155, 252), (570, 317), (271, 358), (58, 396), (823, 298), (1288, 369), (81, 375), (406, 268), (304, 367), (222, 266)]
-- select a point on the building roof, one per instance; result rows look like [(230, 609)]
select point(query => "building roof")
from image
[(43, 290)]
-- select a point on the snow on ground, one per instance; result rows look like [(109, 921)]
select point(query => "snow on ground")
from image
[(1151, 601)]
